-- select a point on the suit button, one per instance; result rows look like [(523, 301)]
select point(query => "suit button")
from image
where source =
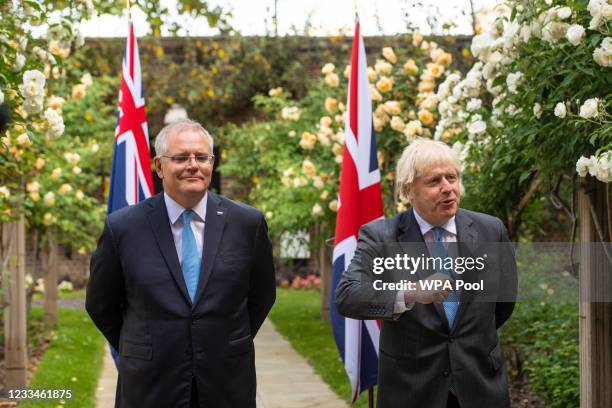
[(445, 373), (451, 339)]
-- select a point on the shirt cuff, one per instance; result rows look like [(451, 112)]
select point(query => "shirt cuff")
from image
[(400, 306)]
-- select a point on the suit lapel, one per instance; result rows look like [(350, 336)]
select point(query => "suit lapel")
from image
[(158, 218), (467, 238), (410, 232), (213, 231)]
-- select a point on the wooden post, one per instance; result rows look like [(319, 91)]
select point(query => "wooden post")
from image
[(15, 346), (325, 275), (51, 284), (595, 284)]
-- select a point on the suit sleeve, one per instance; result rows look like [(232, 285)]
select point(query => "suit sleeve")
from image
[(262, 286), (355, 296), (105, 289), (508, 280)]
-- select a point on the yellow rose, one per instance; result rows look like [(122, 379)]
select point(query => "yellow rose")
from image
[(40, 162), (384, 84), (410, 67), (376, 96), (435, 70), (347, 72), (444, 58), (416, 38), (333, 205), (325, 121), (23, 140), (332, 80), (382, 67), (425, 117), (78, 91), (65, 188), (397, 124), (389, 55), (56, 173), (372, 74), (378, 125), (426, 86), (392, 107), (331, 104), (328, 68)]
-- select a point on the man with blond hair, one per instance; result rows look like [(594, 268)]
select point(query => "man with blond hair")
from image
[(438, 344), (181, 283)]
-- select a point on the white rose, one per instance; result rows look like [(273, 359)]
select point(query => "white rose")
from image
[(560, 110), (79, 195), (603, 169), (589, 108), (317, 210), (537, 110), (476, 127), (584, 165), (525, 33), (4, 192), (512, 81), (603, 54), (564, 12), (575, 34), (474, 104), (19, 62), (56, 122)]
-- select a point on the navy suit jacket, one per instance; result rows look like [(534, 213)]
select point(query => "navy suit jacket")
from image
[(137, 297)]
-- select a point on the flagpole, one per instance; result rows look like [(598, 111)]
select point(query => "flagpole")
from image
[(129, 10)]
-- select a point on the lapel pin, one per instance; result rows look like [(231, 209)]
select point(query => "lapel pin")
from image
[(219, 212)]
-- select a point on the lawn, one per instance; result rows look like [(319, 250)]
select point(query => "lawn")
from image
[(72, 360)]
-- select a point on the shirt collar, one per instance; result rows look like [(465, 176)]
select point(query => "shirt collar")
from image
[(425, 227), (175, 210)]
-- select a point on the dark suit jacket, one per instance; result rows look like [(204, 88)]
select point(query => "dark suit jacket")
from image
[(137, 297), (419, 355)]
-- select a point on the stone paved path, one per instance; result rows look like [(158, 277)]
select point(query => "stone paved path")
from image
[(284, 378)]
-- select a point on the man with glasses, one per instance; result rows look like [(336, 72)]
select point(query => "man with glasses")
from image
[(181, 283)]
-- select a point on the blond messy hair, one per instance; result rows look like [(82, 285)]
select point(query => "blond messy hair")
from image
[(420, 156)]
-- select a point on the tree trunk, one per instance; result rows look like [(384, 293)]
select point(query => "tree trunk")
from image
[(50, 307), (595, 305), (15, 346)]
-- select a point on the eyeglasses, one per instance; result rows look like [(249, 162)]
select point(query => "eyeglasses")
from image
[(199, 158)]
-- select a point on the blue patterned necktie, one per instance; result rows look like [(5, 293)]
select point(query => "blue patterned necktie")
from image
[(451, 304), (191, 257)]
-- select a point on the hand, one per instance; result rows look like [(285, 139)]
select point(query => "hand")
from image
[(426, 296)]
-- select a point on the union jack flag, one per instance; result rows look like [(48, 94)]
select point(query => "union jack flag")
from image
[(360, 202), (131, 180)]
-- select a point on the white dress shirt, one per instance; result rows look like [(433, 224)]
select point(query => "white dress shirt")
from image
[(448, 235), (175, 216)]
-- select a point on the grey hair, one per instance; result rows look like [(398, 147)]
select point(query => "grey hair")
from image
[(161, 147), (418, 157)]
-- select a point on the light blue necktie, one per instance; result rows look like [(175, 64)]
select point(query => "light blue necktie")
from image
[(451, 304), (191, 257)]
